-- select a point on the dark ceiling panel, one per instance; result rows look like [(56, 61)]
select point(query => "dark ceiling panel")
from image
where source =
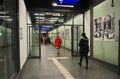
[(34, 6), (38, 3), (47, 4)]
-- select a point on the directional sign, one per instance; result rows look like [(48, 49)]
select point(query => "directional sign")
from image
[(68, 2), (45, 28)]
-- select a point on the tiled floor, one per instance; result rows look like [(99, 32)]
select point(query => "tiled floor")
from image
[(46, 69)]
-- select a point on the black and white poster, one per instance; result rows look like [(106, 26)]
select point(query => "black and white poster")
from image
[(104, 28)]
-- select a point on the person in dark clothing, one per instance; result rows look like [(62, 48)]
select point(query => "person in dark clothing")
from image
[(48, 40), (84, 49)]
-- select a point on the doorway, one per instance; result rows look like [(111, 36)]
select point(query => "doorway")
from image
[(34, 42), (76, 37)]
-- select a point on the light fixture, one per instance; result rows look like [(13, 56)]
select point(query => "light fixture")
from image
[(3, 12), (37, 22), (42, 18), (36, 13), (56, 5), (4, 16), (37, 17), (54, 18), (42, 14)]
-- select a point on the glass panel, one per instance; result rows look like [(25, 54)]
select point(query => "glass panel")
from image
[(2, 52), (7, 24), (78, 28), (76, 37), (10, 25), (34, 42)]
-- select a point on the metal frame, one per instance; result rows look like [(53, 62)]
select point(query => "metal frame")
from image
[(30, 56)]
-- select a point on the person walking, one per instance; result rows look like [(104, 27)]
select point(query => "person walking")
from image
[(58, 43), (84, 49)]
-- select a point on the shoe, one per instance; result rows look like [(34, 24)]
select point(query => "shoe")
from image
[(79, 64), (86, 67), (58, 53)]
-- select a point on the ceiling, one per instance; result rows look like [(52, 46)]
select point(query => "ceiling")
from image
[(43, 12), (33, 5)]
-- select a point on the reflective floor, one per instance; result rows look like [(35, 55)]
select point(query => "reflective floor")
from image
[(52, 66)]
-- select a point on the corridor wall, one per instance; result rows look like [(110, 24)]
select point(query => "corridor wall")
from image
[(78, 23), (53, 35), (22, 32), (61, 34), (87, 26), (67, 38), (106, 37)]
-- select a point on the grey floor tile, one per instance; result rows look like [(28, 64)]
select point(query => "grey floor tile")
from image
[(46, 69)]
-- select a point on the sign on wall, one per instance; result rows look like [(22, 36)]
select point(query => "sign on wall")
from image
[(104, 28)]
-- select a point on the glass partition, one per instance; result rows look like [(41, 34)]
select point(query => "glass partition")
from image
[(76, 37), (34, 42), (8, 54)]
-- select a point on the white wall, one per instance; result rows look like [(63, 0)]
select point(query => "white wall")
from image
[(107, 50), (87, 25), (23, 32)]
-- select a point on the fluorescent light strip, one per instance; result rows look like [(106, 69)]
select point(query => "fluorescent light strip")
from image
[(42, 14), (55, 4), (3, 12), (54, 18), (4, 16), (65, 6), (36, 13)]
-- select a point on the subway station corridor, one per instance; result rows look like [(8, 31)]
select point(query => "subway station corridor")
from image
[(52, 66), (26, 25)]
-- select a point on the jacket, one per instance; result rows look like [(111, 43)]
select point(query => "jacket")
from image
[(84, 47), (58, 42)]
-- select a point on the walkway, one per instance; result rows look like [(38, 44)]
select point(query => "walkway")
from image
[(52, 66)]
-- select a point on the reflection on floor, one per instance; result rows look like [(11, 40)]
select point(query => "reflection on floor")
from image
[(67, 68)]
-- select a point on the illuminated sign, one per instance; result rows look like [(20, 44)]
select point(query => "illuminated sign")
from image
[(67, 2), (45, 28)]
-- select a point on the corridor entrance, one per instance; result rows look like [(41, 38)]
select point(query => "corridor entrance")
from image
[(68, 26)]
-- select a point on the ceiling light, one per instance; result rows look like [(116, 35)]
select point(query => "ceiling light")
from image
[(41, 14), (9, 20), (37, 20), (54, 18), (36, 13), (42, 17), (65, 6), (37, 17), (55, 4), (42, 20), (4, 16), (3, 12)]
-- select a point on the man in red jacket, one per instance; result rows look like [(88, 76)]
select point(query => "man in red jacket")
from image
[(58, 43)]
